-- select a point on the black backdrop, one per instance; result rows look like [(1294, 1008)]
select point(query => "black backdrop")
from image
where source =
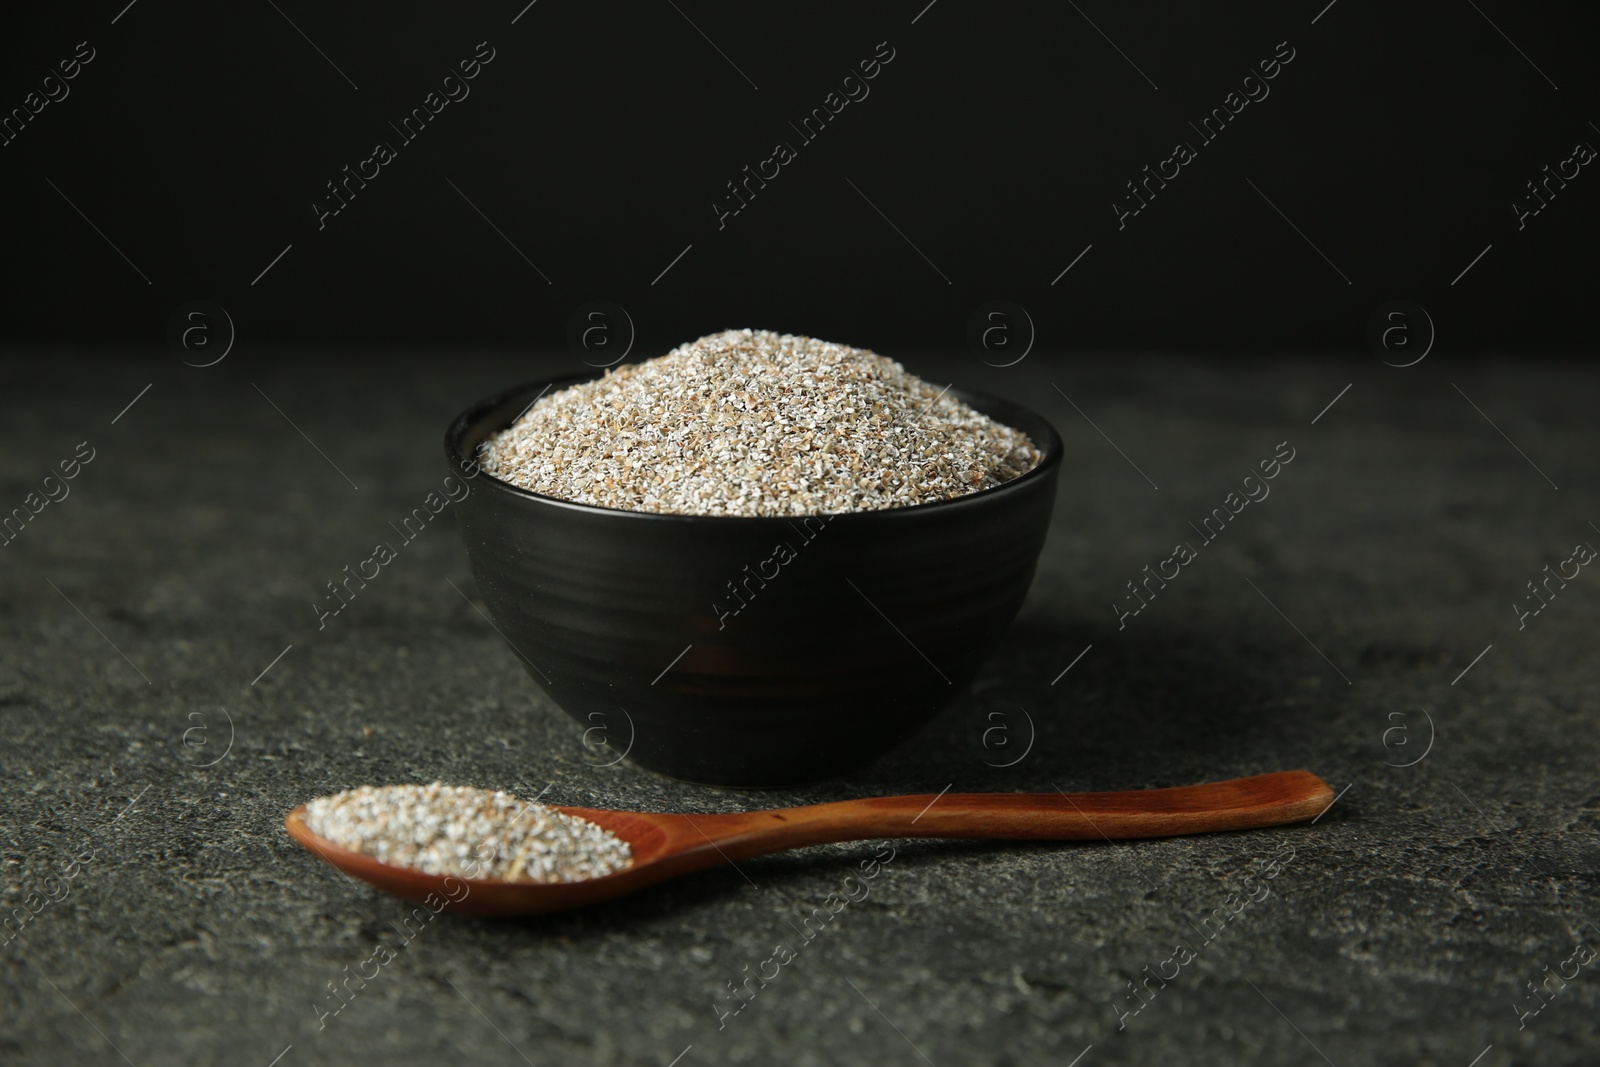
[(985, 159)]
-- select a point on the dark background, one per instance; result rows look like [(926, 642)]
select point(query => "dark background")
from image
[(996, 141)]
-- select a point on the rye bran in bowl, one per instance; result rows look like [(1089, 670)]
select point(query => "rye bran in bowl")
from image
[(748, 423), (760, 559)]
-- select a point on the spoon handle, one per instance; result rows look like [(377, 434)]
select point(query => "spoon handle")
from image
[(1237, 804)]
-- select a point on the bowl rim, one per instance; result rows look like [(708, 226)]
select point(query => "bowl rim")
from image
[(475, 414)]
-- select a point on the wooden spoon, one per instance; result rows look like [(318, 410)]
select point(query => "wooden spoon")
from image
[(666, 844)]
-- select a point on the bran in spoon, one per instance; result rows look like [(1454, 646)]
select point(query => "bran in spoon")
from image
[(442, 829)]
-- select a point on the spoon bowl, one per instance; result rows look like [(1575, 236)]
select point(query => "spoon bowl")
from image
[(668, 844)]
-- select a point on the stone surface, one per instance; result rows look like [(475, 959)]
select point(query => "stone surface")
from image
[(1400, 928)]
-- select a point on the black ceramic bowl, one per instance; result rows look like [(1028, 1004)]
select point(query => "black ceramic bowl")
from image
[(751, 651)]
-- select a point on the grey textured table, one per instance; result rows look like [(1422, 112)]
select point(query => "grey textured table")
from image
[(1359, 614)]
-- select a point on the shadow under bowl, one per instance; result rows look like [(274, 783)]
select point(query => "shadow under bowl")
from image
[(751, 651)]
